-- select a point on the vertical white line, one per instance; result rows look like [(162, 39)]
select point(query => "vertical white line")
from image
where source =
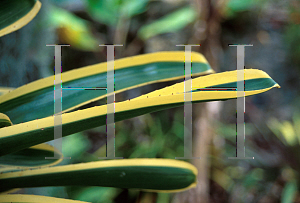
[(188, 122), (110, 119), (240, 105), (57, 103)]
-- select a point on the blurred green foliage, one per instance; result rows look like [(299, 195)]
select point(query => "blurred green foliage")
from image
[(253, 176), (292, 33), (288, 132), (73, 30), (156, 135), (157, 138), (234, 7), (109, 11), (172, 22), (289, 192)]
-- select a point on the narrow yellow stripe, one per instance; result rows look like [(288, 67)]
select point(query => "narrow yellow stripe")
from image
[(154, 101), (9, 191), (7, 168), (5, 117), (35, 199), (119, 107), (193, 185), (137, 103), (42, 146), (132, 87), (173, 56), (167, 56), (4, 90), (206, 81), (22, 21), (104, 164), (228, 77)]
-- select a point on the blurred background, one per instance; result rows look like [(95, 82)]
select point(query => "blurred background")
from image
[(272, 119)]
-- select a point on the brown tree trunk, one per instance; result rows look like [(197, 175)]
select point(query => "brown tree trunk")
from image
[(207, 33)]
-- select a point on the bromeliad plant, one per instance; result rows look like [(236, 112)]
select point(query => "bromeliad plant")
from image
[(27, 121)]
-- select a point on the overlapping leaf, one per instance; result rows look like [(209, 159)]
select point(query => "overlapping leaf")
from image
[(36, 100), (28, 158), (24, 135), (32, 157), (15, 14), (158, 175)]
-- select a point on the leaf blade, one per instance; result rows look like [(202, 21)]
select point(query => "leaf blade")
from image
[(42, 130), (159, 175), (23, 13), (35, 199), (35, 100), (33, 157)]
